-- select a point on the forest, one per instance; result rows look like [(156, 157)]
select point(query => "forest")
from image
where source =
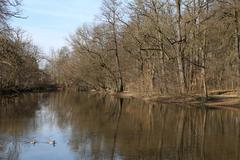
[(155, 46), (19, 56), (166, 47)]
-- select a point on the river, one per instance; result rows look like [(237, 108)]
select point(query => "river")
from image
[(87, 126)]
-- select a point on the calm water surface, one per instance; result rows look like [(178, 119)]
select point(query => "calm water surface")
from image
[(90, 127)]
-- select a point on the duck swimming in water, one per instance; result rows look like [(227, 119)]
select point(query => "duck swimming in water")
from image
[(32, 141), (52, 142)]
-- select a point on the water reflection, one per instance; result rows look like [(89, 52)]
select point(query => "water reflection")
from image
[(103, 127)]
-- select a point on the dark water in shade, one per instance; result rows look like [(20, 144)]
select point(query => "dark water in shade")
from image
[(102, 127)]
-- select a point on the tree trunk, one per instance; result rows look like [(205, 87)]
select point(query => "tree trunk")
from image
[(163, 72), (237, 47), (203, 71), (120, 78), (179, 49), (204, 48)]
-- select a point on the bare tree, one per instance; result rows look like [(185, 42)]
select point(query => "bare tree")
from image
[(110, 15)]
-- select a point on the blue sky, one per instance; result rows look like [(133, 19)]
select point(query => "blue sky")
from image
[(50, 22)]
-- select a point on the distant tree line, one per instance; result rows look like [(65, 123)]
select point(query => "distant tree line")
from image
[(155, 46), (19, 57)]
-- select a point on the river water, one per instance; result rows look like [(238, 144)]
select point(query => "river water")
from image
[(87, 126)]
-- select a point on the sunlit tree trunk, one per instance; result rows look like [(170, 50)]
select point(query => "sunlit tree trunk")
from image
[(179, 49), (203, 53), (237, 43)]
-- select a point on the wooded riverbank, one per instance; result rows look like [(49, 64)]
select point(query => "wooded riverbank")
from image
[(219, 99), (168, 47), (13, 91), (180, 57)]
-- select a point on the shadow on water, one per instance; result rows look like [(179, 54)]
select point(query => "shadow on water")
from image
[(105, 127)]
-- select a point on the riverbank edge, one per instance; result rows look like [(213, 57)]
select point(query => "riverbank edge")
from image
[(15, 91), (217, 99)]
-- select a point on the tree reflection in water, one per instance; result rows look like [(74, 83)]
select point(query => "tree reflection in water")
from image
[(105, 127), (17, 119)]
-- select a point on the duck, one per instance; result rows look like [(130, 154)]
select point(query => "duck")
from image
[(32, 141), (52, 142)]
